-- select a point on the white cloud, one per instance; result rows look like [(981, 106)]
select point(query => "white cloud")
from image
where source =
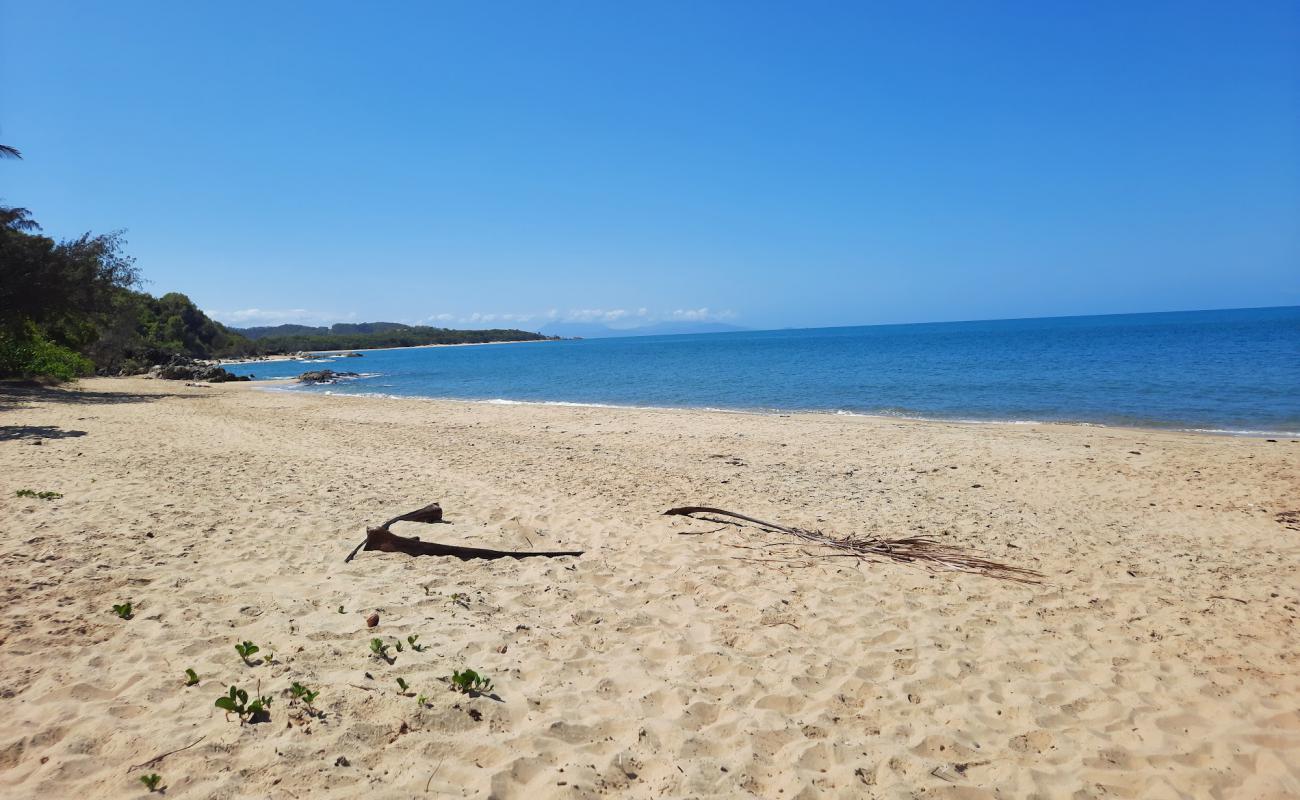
[(280, 316), (594, 315), (700, 315)]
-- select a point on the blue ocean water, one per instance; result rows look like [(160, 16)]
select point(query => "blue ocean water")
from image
[(1230, 371)]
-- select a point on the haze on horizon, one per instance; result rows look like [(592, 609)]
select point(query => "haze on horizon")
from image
[(526, 165)]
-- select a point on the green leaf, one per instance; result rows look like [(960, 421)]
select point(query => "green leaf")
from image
[(226, 703)]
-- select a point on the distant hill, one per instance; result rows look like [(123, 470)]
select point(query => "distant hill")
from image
[(276, 339), (592, 330), (338, 328)]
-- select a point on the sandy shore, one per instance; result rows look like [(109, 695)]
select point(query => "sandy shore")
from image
[(1161, 659)]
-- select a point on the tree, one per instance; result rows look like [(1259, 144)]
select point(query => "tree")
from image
[(9, 152)]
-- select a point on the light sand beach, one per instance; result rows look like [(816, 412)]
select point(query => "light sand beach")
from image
[(1160, 658)]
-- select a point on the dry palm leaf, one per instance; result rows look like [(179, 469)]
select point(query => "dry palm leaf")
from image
[(918, 550)]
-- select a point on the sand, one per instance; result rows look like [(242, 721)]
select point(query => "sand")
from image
[(1161, 659)]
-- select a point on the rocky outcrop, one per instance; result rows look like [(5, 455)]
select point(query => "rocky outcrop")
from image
[(353, 355), (324, 376), (183, 368)]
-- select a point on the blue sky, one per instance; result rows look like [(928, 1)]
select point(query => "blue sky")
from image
[(769, 165)]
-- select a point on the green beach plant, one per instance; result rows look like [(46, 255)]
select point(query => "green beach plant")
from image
[(380, 650), (401, 682), (236, 702), (191, 677), (123, 610), (300, 692), (411, 640), (151, 781), (39, 495), (245, 650), (467, 681)]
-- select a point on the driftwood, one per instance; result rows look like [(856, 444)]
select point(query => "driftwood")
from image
[(384, 540), (918, 550)]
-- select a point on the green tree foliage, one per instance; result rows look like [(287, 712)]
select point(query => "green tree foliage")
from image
[(370, 335), (51, 295), (68, 308)]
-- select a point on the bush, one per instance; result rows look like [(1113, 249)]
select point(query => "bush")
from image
[(30, 355)]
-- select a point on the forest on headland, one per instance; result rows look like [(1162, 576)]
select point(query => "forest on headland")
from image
[(76, 307)]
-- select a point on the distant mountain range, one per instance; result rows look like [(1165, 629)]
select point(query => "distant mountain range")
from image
[(594, 330), (337, 329)]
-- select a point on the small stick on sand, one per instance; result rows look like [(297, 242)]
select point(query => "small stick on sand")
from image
[(157, 759)]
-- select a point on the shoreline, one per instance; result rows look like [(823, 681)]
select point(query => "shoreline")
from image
[(288, 384)]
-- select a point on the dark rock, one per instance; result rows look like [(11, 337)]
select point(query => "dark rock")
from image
[(353, 355), (324, 376), (342, 761), (183, 368)]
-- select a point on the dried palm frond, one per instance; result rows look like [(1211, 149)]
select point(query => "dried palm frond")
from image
[(918, 550)]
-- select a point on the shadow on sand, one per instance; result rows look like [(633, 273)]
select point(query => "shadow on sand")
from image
[(17, 395), (11, 432)]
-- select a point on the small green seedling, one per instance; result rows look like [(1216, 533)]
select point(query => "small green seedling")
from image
[(470, 682), (123, 610), (236, 702), (151, 781), (461, 599), (304, 694), (380, 649), (422, 700), (191, 677), (398, 646), (245, 650), (403, 684), (411, 640), (39, 495)]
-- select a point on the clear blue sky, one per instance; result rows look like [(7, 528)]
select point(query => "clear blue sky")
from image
[(793, 164)]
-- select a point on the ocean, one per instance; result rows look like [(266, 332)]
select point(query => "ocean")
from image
[(1233, 371)]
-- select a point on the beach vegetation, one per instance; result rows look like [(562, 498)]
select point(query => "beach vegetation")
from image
[(303, 694), (380, 649), (191, 677), (415, 645), (245, 650), (403, 685), (39, 495), (151, 781), (123, 610), (467, 681), (236, 702)]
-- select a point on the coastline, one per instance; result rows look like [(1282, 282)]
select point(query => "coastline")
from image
[(281, 384), (657, 663)]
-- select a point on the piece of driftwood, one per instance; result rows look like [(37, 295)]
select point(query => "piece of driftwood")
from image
[(918, 550), (384, 540)]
